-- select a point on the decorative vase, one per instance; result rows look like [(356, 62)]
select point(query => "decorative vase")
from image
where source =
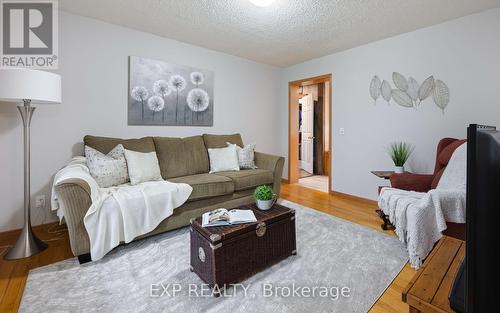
[(399, 169), (266, 204)]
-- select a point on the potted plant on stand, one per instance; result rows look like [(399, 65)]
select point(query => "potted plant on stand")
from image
[(264, 197), (400, 152)]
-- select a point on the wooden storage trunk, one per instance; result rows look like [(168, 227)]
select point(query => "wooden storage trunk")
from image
[(229, 254)]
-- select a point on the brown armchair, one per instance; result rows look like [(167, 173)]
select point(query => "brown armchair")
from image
[(424, 183)]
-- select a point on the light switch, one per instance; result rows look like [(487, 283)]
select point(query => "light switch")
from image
[(342, 131)]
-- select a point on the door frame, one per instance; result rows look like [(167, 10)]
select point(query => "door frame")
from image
[(293, 125)]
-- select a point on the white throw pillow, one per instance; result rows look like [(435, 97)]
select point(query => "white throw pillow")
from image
[(108, 170), (142, 167), (455, 173), (223, 159), (246, 158)]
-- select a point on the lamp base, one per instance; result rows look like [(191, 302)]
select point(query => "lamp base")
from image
[(27, 245)]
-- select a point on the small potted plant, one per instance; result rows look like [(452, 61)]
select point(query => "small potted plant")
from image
[(264, 197), (400, 152)]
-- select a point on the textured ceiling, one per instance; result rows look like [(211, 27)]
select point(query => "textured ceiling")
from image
[(285, 33)]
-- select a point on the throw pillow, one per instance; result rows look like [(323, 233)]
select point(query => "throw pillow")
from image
[(245, 156), (142, 167), (223, 159), (108, 170)]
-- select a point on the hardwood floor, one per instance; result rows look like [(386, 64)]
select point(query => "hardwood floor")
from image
[(13, 274), (318, 182)]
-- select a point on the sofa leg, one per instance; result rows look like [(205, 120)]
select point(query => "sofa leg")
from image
[(84, 258)]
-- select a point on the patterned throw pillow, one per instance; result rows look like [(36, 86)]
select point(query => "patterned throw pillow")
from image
[(245, 156), (108, 170)]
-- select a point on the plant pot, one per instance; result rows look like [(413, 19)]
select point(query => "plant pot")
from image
[(399, 169), (266, 204)]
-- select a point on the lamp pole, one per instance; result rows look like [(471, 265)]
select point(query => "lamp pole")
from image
[(27, 244)]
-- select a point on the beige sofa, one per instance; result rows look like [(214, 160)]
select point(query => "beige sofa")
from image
[(182, 160)]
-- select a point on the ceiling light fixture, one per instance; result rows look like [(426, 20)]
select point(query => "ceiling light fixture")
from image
[(262, 3)]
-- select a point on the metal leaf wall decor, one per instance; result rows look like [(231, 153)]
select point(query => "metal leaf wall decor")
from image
[(426, 89), (408, 93), (375, 88), (412, 90), (441, 95), (386, 91), (402, 98), (400, 81)]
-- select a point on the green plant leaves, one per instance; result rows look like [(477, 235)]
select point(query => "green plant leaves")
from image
[(264, 193), (400, 152)]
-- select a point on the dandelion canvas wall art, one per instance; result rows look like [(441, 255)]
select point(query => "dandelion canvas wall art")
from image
[(162, 93)]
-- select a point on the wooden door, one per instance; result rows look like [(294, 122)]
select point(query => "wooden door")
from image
[(307, 161)]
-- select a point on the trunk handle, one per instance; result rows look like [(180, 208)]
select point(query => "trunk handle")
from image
[(261, 229)]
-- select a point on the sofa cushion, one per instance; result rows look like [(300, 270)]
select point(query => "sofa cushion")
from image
[(220, 141), (206, 185), (246, 179), (106, 144), (181, 156)]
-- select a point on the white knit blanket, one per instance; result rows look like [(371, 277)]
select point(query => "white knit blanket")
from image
[(419, 218), (122, 213)]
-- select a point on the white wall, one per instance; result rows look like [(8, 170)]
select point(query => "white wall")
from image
[(464, 53), (94, 69)]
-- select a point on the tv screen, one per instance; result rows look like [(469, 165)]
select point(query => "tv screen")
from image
[(482, 261)]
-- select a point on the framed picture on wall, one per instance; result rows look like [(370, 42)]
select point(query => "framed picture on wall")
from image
[(162, 93)]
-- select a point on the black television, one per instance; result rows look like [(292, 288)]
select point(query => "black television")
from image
[(476, 288)]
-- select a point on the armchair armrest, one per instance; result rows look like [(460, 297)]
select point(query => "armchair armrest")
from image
[(412, 182), (273, 163)]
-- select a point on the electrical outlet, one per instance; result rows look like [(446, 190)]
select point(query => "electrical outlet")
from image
[(40, 202), (342, 131)]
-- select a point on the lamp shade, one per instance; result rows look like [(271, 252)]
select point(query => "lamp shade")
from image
[(17, 84)]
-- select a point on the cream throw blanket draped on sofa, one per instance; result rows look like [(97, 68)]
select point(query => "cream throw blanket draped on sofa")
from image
[(419, 218), (122, 213)]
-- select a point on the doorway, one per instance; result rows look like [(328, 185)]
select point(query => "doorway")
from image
[(309, 138)]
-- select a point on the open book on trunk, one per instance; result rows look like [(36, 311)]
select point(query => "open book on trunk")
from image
[(223, 217)]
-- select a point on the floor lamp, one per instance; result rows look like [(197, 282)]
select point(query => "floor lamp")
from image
[(26, 86)]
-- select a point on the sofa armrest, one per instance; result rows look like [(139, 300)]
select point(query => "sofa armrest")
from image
[(273, 163), (74, 198), (412, 182)]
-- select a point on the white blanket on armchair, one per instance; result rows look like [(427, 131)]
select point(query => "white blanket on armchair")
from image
[(122, 213), (419, 218)]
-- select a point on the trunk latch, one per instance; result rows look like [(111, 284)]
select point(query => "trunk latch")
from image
[(261, 229)]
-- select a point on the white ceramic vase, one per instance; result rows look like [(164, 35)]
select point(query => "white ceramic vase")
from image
[(266, 204), (399, 169)]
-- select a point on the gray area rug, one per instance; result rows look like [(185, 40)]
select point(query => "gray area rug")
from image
[(332, 254)]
